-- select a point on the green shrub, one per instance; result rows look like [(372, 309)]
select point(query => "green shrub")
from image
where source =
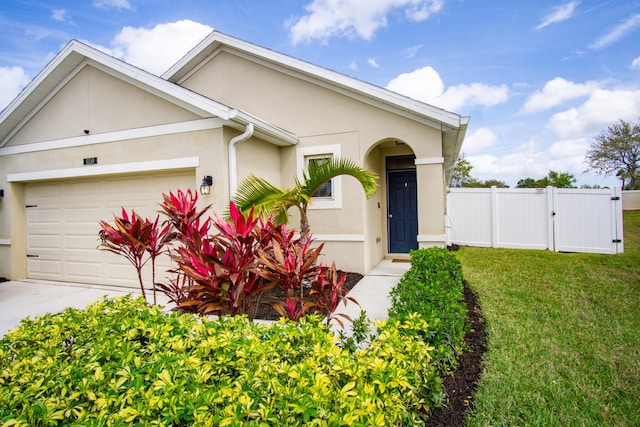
[(433, 288), (121, 362)]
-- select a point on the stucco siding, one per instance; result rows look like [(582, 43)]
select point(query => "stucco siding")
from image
[(98, 102), (305, 108)]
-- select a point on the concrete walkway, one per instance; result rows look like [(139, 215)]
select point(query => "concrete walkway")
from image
[(31, 298), (372, 292)]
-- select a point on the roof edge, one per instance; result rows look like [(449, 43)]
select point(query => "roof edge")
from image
[(182, 67)]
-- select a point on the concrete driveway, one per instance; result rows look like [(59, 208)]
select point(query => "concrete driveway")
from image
[(31, 298)]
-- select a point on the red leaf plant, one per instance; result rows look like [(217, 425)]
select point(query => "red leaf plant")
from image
[(292, 263), (219, 270), (133, 237), (228, 271)]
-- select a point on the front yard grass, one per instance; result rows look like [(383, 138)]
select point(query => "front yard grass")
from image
[(563, 335)]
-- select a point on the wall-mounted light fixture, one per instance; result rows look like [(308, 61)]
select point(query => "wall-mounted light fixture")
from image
[(205, 187), (1, 193)]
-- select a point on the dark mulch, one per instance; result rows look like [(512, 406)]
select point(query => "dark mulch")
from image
[(459, 386), (266, 312)]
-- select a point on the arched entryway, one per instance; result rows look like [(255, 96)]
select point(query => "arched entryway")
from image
[(393, 219), (402, 203)]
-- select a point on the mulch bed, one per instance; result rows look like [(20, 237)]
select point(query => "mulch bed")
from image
[(460, 385), (266, 312)]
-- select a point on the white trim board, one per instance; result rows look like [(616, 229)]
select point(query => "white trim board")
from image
[(338, 237), (119, 168), (122, 135)]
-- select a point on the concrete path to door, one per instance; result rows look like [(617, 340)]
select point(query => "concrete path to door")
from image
[(31, 298)]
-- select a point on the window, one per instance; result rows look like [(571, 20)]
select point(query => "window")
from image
[(329, 196), (326, 190)]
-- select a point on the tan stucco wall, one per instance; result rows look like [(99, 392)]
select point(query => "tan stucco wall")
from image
[(99, 102), (631, 200), (303, 108), (319, 116)]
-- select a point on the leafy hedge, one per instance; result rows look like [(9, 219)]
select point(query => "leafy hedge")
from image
[(433, 288), (122, 362)]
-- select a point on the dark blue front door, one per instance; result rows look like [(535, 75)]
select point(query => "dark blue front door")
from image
[(403, 211)]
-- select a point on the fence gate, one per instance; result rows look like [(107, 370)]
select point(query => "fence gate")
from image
[(587, 221), (562, 220)]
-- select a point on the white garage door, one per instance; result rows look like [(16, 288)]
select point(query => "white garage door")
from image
[(63, 224)]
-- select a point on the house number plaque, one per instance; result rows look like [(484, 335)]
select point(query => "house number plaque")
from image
[(90, 161)]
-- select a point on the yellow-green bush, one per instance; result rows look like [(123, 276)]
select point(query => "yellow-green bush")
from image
[(121, 362)]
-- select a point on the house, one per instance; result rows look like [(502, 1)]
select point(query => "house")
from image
[(91, 134)]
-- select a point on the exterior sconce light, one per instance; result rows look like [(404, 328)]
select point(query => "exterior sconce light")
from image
[(205, 187), (1, 194)]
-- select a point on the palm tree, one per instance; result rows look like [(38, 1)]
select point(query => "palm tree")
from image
[(268, 199)]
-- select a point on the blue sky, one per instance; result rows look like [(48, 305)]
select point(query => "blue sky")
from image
[(539, 78)]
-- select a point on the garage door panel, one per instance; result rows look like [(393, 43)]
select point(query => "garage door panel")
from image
[(43, 241), (84, 271), (80, 243), (45, 190), (42, 269), (81, 189), (43, 216), (63, 229), (81, 215)]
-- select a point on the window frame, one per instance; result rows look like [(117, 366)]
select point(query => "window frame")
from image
[(303, 155)]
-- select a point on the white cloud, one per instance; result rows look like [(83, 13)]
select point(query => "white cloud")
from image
[(559, 14), (373, 63), (12, 80), (617, 33), (479, 139), (422, 10), (411, 52), (112, 4), (601, 109), (531, 161), (635, 64), (556, 92), (158, 48), (353, 65), (60, 15), (354, 18), (426, 85)]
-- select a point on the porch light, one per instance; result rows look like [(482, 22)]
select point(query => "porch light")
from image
[(207, 182), (1, 193)]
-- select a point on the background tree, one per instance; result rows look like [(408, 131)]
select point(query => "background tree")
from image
[(617, 151), (461, 173), (461, 176), (553, 179)]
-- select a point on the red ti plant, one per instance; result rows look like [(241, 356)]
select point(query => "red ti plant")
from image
[(129, 238), (292, 263), (239, 241), (219, 270), (158, 243), (327, 291)]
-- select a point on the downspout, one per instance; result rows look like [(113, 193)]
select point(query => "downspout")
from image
[(233, 162)]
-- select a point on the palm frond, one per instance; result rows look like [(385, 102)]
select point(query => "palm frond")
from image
[(318, 174), (264, 197)]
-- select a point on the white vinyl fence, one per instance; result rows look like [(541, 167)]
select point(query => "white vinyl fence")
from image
[(558, 219)]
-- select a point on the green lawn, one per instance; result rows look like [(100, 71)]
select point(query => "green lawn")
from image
[(563, 335)]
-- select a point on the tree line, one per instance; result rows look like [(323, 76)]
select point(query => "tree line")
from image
[(615, 151)]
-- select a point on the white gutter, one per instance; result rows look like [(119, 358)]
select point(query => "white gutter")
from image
[(233, 162)]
